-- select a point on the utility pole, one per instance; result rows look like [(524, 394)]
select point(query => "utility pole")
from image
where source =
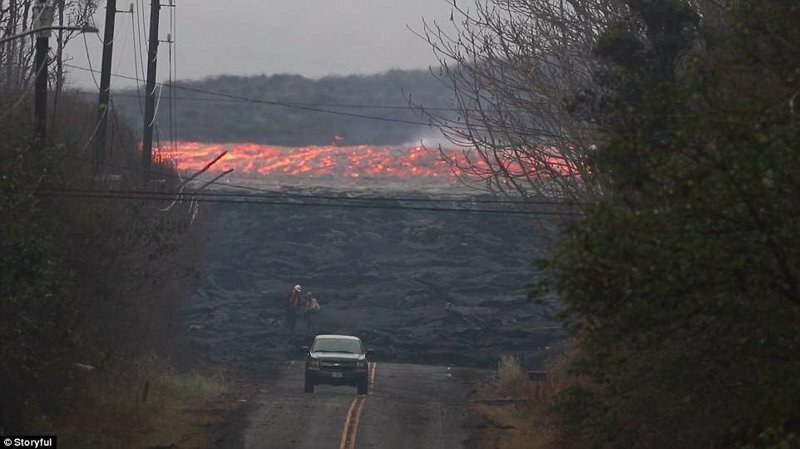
[(105, 87), (150, 90), (45, 19)]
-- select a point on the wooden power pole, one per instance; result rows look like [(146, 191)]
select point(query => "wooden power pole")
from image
[(150, 90), (103, 103)]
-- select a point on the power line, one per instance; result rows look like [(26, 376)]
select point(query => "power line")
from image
[(173, 52), (142, 43), (89, 61), (171, 94), (328, 197), (255, 200), (124, 49), (532, 131), (275, 103), (136, 58), (267, 193), (275, 193), (330, 105), (297, 196)]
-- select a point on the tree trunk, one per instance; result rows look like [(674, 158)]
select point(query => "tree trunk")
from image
[(60, 4)]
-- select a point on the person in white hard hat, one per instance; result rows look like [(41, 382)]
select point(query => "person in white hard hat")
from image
[(292, 304)]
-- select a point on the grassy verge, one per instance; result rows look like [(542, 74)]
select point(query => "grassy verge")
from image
[(146, 405), (517, 412)]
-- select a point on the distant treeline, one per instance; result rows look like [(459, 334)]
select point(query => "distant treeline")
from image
[(206, 117)]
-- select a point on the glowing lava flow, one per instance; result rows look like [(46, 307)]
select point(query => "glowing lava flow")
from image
[(323, 161), (411, 167)]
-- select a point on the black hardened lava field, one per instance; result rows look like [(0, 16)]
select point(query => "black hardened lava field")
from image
[(418, 286)]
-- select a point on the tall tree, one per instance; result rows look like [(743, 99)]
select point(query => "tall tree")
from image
[(681, 283)]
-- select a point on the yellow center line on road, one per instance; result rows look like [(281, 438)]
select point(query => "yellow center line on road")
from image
[(374, 367), (353, 419), (345, 430), (356, 422)]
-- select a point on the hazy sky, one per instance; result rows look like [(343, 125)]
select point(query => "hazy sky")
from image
[(309, 37)]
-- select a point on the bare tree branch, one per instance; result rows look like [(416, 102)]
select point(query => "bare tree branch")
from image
[(515, 67)]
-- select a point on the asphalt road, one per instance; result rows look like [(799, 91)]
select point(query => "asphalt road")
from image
[(408, 407)]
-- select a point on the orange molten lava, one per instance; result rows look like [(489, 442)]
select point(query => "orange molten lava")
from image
[(358, 164), (322, 161)]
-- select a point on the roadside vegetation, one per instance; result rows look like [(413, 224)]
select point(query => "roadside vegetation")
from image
[(680, 281), (519, 412), (89, 286), (515, 410), (146, 403)]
